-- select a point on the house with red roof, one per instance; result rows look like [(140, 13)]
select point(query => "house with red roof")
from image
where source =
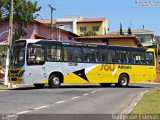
[(110, 39), (78, 25), (36, 30), (98, 25)]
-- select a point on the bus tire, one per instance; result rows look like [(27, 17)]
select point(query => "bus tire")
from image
[(39, 85), (123, 81), (54, 81), (105, 84)]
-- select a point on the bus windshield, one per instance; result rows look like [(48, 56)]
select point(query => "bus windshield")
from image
[(18, 54), (17, 57)]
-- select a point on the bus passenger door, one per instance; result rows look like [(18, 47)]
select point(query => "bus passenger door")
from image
[(35, 70)]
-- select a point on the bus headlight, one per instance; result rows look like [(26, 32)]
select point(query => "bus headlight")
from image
[(21, 73)]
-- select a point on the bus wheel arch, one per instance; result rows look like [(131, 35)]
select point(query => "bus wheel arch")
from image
[(123, 80), (55, 79)]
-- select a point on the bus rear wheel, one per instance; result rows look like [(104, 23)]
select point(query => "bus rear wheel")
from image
[(123, 81), (54, 81), (39, 85), (105, 84)]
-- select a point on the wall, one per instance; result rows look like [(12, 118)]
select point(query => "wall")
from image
[(109, 41), (91, 41), (123, 42), (147, 38), (3, 31), (34, 29), (89, 27), (70, 24)]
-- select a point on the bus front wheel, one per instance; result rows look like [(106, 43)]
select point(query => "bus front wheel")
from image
[(54, 81), (123, 81)]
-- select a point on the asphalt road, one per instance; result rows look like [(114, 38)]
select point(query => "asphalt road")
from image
[(69, 101)]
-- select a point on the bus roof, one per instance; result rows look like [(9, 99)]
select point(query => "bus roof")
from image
[(103, 46)]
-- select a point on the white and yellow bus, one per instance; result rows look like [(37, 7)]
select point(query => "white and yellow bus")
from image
[(40, 62)]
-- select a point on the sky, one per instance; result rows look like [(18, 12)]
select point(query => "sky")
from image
[(130, 13)]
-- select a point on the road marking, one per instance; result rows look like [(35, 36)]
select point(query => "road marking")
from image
[(60, 102), (23, 112), (75, 97), (3, 90), (85, 94), (45, 106), (141, 95), (93, 91)]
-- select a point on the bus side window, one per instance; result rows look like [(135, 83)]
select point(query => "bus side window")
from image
[(72, 54), (149, 58), (134, 60), (111, 56), (90, 55), (138, 57), (54, 53)]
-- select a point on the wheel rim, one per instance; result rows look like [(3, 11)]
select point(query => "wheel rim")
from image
[(56, 81), (124, 81)]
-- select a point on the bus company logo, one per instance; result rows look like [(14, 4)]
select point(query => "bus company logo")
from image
[(124, 67), (108, 67), (148, 3)]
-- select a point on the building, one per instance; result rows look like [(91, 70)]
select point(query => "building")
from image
[(144, 36), (78, 25), (68, 23), (99, 25), (111, 40), (37, 30)]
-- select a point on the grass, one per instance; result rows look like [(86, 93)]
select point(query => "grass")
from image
[(149, 104)]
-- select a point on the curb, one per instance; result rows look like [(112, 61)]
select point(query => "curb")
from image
[(133, 103), (147, 83)]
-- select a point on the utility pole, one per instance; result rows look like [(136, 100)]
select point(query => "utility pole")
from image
[(52, 9), (9, 43)]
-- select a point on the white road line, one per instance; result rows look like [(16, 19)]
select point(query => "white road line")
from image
[(75, 97), (45, 106), (142, 94), (93, 91), (23, 112), (135, 104), (85, 94), (3, 90), (129, 111), (60, 102)]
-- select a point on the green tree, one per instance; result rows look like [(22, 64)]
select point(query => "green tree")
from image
[(121, 30), (89, 33), (24, 12), (129, 31)]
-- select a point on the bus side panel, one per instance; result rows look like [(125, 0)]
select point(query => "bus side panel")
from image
[(102, 73), (76, 73)]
